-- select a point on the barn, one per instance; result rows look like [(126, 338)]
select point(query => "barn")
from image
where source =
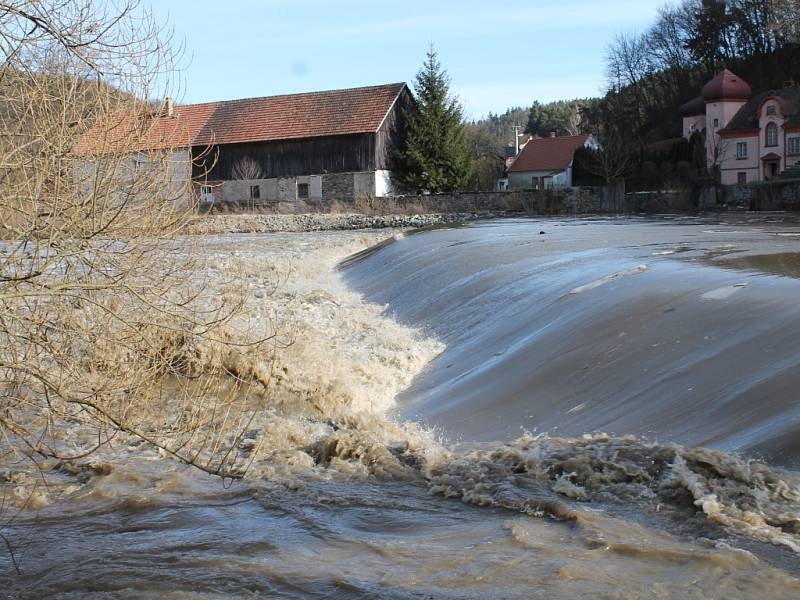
[(312, 147)]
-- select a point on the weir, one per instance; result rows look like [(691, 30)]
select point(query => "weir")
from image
[(465, 411)]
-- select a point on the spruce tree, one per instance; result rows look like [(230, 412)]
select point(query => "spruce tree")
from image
[(436, 155)]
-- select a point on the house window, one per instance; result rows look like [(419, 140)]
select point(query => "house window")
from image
[(716, 123), (206, 189), (302, 190), (771, 135), (770, 110), (741, 178), (741, 150), (255, 192), (794, 145)]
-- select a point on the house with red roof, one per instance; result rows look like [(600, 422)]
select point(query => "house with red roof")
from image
[(545, 163), (748, 137), (318, 146)]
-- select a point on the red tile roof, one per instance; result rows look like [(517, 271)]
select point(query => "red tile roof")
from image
[(548, 154), (292, 116), (726, 86)]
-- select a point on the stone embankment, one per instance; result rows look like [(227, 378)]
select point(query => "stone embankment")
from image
[(269, 223)]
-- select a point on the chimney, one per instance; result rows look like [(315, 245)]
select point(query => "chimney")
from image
[(169, 107), (552, 134)]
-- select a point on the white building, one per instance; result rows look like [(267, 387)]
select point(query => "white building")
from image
[(748, 138), (545, 163)]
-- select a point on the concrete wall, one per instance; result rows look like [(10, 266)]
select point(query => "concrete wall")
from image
[(322, 189), (773, 195), (610, 199), (170, 173)]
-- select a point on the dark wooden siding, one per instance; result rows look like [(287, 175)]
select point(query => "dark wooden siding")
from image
[(291, 158), (392, 131)]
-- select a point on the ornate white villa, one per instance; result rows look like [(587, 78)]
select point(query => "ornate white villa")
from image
[(748, 138)]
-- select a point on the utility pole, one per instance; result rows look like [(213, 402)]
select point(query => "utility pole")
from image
[(516, 129)]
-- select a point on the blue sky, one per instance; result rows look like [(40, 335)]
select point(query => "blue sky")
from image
[(498, 54)]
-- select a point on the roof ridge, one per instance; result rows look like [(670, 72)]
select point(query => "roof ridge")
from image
[(559, 137), (314, 93)]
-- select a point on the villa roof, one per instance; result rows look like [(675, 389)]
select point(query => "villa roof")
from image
[(548, 154), (746, 118), (693, 108), (270, 118), (726, 86)]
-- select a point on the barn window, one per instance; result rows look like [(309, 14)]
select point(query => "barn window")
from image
[(255, 192), (771, 135), (302, 190)]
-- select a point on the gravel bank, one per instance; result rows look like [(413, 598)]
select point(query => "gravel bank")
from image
[(265, 223)]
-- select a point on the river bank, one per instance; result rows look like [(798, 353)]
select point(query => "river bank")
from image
[(273, 223)]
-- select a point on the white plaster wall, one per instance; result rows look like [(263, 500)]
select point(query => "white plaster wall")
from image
[(523, 180), (692, 124), (763, 121), (791, 159), (731, 176), (723, 111), (383, 184), (730, 165)]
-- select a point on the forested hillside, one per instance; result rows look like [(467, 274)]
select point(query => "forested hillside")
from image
[(651, 74)]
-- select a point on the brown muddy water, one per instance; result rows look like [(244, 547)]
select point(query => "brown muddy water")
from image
[(607, 409)]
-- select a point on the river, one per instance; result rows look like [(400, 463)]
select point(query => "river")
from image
[(531, 408)]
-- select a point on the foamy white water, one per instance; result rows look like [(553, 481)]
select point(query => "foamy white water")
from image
[(350, 496)]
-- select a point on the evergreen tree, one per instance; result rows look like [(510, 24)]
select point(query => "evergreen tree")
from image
[(436, 155)]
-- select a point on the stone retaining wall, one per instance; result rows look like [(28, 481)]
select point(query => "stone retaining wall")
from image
[(610, 199), (772, 195)]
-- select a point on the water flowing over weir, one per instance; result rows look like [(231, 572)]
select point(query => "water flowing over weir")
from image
[(607, 326), (644, 339)]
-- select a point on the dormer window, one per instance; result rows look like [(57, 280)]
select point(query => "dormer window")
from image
[(771, 135), (771, 110)]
